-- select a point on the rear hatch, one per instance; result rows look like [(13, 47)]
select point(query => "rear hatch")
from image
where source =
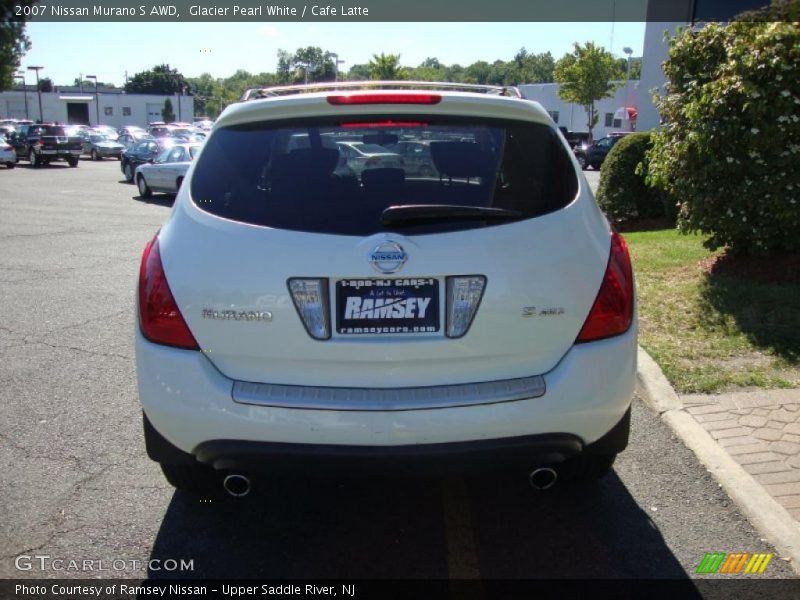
[(291, 267), (55, 139)]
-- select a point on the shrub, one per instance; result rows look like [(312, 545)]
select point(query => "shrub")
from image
[(623, 194), (730, 143)]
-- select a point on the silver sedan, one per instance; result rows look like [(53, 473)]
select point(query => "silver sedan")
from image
[(167, 171)]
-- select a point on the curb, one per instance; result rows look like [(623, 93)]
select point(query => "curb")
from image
[(762, 510)]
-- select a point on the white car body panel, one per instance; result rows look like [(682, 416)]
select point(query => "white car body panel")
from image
[(189, 402), (516, 258), (555, 262)]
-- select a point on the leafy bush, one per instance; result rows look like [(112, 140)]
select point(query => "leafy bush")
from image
[(730, 143), (623, 194)]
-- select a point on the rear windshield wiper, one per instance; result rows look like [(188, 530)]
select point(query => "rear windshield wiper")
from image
[(432, 212)]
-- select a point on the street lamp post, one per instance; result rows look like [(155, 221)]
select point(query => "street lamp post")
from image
[(21, 75), (628, 51), (336, 63), (38, 90), (96, 96)]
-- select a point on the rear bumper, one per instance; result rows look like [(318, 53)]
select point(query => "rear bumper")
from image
[(427, 459), (190, 403)]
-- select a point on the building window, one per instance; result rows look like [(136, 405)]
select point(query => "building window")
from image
[(617, 122), (609, 119), (554, 115), (126, 111), (108, 110)]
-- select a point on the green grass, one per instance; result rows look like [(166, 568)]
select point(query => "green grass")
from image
[(712, 333)]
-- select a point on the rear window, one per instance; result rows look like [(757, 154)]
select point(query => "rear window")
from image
[(47, 130), (309, 176)]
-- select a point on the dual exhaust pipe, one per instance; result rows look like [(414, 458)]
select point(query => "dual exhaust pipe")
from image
[(239, 486), (543, 478)]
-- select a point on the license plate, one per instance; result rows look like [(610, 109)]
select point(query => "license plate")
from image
[(387, 306)]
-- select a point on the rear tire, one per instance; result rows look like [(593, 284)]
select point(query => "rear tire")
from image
[(144, 190), (72, 161), (11, 165), (94, 155), (128, 172), (195, 479)]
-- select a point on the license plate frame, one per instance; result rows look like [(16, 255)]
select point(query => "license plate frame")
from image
[(407, 306)]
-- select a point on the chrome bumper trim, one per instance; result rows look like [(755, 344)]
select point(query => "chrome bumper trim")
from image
[(388, 399)]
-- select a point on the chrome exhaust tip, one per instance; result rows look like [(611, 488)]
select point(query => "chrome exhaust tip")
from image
[(237, 485), (543, 478)]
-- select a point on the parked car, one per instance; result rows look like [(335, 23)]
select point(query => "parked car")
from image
[(160, 130), (7, 155), (140, 153), (358, 156), (166, 172), (417, 159), (294, 318), (6, 131), (593, 155), (106, 130), (131, 129), (128, 138), (100, 146), (42, 143)]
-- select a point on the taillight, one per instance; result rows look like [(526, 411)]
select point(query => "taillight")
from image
[(160, 319), (612, 311), (381, 124), (383, 98)]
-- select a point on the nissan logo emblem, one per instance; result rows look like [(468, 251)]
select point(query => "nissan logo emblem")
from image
[(388, 257)]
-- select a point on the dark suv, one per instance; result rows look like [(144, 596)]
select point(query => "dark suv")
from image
[(593, 155), (40, 144)]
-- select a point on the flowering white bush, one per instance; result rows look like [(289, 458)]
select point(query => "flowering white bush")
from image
[(729, 148)]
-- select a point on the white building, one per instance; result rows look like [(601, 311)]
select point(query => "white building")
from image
[(71, 106), (612, 114)]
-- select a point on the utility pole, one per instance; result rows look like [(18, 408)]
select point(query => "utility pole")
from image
[(21, 75), (96, 96), (38, 90)]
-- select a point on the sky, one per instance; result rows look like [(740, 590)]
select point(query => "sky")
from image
[(108, 50)]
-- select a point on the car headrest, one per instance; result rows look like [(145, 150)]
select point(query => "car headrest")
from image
[(460, 159), (306, 162)]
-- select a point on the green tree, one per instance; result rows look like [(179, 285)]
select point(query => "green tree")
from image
[(358, 73), (478, 72), (161, 79), (532, 68), (386, 67), (13, 42), (316, 62), (310, 64), (167, 113), (45, 84), (730, 144), (585, 76), (636, 67)]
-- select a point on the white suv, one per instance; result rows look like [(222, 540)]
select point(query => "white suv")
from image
[(295, 314)]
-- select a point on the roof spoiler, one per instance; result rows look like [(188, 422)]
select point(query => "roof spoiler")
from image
[(288, 90)]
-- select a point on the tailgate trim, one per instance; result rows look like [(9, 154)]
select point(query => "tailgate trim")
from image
[(388, 399)]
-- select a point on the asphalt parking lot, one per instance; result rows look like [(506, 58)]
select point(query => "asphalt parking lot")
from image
[(75, 483)]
